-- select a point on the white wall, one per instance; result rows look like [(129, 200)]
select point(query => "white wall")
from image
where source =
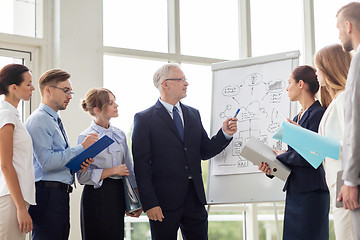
[(78, 50)]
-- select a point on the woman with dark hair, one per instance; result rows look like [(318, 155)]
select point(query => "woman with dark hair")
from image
[(307, 196), (17, 181)]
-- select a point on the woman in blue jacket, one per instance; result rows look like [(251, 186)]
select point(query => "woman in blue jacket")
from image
[(307, 196)]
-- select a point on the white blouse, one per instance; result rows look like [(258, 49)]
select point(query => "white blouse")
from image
[(332, 125), (22, 154)]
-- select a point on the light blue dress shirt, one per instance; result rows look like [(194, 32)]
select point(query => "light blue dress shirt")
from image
[(115, 155), (50, 155)]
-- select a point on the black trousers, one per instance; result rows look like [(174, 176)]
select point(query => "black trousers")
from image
[(191, 218), (102, 211), (50, 216)]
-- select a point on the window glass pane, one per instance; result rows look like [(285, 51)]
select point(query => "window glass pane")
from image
[(18, 17), (326, 32), (136, 24), (131, 80), (199, 91), (274, 29), (7, 60), (209, 28)]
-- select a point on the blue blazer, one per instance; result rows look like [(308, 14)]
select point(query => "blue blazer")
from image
[(303, 177), (163, 162)]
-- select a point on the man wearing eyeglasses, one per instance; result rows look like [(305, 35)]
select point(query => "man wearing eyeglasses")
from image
[(51, 152), (168, 144)]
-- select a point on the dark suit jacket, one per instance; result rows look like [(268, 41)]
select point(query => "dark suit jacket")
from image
[(163, 162), (303, 177)]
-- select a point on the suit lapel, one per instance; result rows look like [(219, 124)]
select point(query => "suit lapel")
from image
[(307, 113), (304, 117)]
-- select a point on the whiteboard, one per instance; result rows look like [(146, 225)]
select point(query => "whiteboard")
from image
[(256, 86)]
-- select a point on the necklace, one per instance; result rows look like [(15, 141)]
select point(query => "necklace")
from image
[(301, 114)]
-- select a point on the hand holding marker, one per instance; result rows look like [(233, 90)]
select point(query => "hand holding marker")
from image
[(237, 112)]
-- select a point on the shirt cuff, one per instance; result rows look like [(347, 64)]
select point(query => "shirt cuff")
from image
[(78, 148), (95, 177), (227, 136), (350, 184)]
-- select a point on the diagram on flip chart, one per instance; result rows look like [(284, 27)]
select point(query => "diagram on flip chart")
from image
[(259, 91)]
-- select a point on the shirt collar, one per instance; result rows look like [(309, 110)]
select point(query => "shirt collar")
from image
[(170, 107), (100, 129), (358, 48), (49, 110), (9, 106), (111, 133)]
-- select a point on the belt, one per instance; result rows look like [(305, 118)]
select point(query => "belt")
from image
[(58, 185)]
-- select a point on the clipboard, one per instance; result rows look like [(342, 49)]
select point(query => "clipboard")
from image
[(97, 147), (339, 184), (257, 152)]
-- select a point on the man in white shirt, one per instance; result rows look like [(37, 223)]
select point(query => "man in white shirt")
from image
[(348, 23)]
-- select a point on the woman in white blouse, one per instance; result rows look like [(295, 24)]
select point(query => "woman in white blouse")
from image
[(103, 197), (17, 181), (333, 65)]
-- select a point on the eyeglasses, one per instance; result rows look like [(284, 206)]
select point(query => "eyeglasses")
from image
[(176, 79), (67, 91)]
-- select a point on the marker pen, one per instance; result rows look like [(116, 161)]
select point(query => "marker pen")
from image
[(237, 113)]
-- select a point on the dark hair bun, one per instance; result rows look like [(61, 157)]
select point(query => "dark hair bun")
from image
[(308, 75)]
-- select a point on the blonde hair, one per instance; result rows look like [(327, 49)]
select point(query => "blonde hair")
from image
[(334, 62), (96, 97)]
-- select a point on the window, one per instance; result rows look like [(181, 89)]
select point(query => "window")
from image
[(199, 90), (326, 32), (137, 24), (131, 81), (276, 26), (11, 56), (209, 28), (20, 17)]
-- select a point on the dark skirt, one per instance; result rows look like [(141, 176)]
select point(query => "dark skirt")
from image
[(102, 211), (307, 216)]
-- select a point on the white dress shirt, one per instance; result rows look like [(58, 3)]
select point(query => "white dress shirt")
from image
[(115, 155)]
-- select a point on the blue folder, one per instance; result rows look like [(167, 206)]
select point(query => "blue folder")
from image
[(310, 145), (97, 147)]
